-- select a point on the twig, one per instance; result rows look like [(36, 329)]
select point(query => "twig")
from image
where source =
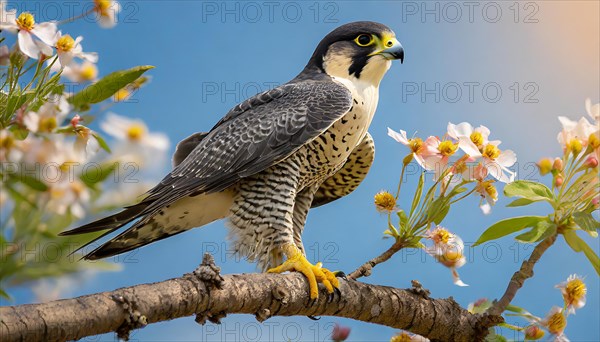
[(367, 267), (518, 279)]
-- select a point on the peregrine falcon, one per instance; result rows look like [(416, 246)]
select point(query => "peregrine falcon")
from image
[(271, 158)]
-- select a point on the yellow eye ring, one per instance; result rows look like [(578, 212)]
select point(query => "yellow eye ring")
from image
[(364, 40)]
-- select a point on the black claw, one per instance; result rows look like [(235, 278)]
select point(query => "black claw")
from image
[(312, 302), (340, 274), (314, 318), (330, 297), (336, 290)]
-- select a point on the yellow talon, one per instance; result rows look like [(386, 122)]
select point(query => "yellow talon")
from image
[(296, 262)]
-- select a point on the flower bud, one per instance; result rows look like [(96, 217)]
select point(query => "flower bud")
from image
[(533, 332), (557, 165), (76, 120), (340, 333), (407, 159), (591, 161), (558, 181), (545, 166)]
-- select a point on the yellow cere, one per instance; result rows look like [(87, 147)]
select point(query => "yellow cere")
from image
[(491, 151), (65, 43), (447, 148), (136, 132), (25, 21)]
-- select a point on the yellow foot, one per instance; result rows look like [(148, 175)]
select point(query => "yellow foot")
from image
[(297, 262)]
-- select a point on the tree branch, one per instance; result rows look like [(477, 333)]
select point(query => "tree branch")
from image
[(519, 277), (365, 269), (210, 296)]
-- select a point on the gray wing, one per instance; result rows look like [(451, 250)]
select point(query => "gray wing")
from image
[(253, 136), (337, 186), (349, 176)]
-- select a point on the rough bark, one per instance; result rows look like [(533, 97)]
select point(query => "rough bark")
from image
[(211, 297)]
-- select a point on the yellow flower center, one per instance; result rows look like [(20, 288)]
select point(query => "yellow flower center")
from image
[(403, 337), (490, 189), (384, 201), (556, 323), (6, 141), (575, 290), (594, 140), (491, 151), (135, 132), (575, 146), (545, 166), (47, 124), (415, 144), (121, 95), (25, 21), (88, 72), (447, 148), (66, 166), (451, 257), (477, 138), (441, 235), (102, 6), (65, 43)]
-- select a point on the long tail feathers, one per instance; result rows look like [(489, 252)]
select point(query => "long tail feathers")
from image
[(112, 222)]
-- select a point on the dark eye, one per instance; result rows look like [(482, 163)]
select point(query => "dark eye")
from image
[(364, 40)]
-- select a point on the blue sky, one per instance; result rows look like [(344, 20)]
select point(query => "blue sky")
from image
[(513, 68)]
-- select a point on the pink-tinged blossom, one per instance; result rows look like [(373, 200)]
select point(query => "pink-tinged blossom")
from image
[(34, 39)]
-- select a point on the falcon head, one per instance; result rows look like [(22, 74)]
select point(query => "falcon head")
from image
[(362, 50)]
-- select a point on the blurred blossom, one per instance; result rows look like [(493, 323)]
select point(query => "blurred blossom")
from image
[(68, 195), (10, 148), (107, 11), (76, 72), (68, 48), (26, 28), (4, 55), (593, 110), (85, 141), (50, 115), (573, 291), (123, 194), (340, 333), (448, 250), (133, 131), (47, 290)]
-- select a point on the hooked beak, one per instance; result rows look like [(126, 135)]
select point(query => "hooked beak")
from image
[(393, 50)]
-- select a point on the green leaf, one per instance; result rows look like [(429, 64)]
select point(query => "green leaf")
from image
[(519, 202), (4, 294), (508, 226), (106, 87), (32, 182), (418, 193), (94, 176), (541, 231), (101, 142), (515, 308), (587, 222), (438, 210), (532, 191), (403, 219), (578, 245)]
